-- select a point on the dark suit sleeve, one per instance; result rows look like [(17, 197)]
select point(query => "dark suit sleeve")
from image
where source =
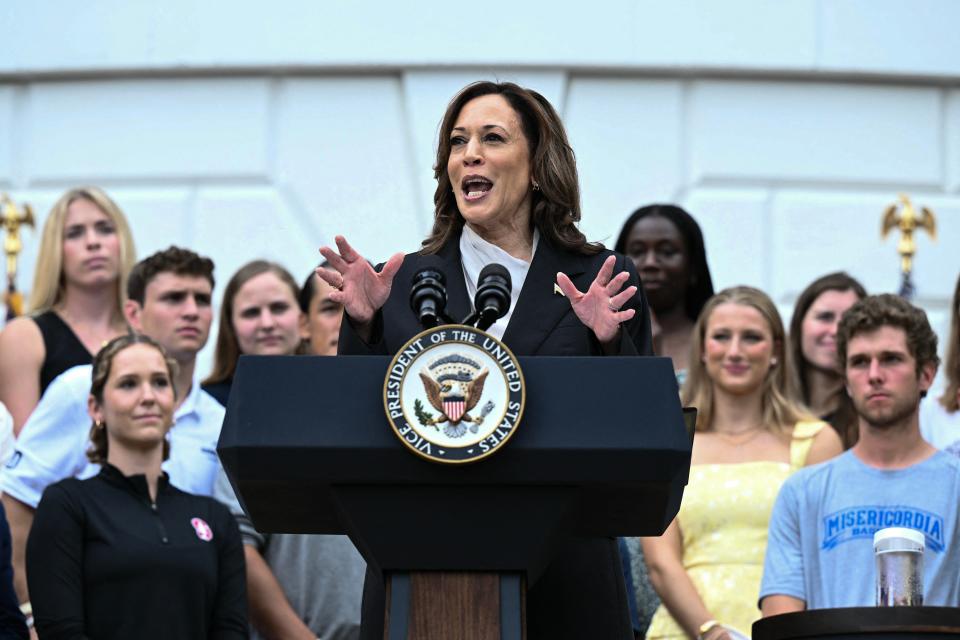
[(351, 344), (636, 338), (12, 622), (230, 610), (55, 565)]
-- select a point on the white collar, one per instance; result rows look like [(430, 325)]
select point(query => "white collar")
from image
[(476, 253), (473, 243), (189, 404)]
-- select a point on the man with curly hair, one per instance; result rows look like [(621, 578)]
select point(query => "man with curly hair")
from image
[(820, 550)]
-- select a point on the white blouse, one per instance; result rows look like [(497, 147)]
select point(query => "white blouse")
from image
[(476, 253)]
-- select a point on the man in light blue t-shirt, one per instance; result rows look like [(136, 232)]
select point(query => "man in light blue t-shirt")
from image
[(820, 549)]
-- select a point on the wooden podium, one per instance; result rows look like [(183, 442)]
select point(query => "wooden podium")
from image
[(602, 450)]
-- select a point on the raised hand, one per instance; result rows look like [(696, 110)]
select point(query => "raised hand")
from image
[(359, 288), (599, 307)]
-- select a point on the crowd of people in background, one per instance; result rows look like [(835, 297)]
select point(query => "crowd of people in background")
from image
[(114, 499)]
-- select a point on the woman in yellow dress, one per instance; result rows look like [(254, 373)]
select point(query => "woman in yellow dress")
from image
[(751, 435)]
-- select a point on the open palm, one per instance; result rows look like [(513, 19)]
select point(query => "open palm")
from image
[(599, 306), (360, 288)]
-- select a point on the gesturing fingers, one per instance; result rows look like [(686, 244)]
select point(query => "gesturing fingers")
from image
[(624, 316), (621, 298), (616, 282), (335, 260), (568, 288), (391, 266), (331, 277), (348, 252), (603, 276)]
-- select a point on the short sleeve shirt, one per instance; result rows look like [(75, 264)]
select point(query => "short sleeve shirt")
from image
[(820, 545)]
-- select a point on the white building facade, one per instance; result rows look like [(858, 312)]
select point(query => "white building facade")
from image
[(247, 129)]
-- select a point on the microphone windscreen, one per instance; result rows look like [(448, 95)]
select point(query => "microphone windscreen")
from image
[(431, 265), (494, 269)]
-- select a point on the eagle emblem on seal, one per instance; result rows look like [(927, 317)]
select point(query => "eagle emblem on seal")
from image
[(454, 384)]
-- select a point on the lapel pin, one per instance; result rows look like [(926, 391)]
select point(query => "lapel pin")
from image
[(556, 289)]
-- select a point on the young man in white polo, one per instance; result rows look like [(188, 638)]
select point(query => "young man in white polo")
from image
[(169, 299), (820, 549)]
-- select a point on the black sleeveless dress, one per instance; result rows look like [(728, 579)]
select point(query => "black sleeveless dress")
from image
[(63, 347)]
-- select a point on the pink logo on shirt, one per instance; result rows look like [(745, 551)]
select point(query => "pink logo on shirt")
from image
[(204, 532)]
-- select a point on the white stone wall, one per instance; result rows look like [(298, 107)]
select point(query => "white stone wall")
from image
[(249, 129)]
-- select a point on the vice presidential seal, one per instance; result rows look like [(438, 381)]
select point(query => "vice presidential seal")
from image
[(454, 394)]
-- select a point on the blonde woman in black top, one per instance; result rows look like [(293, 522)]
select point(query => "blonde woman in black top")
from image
[(76, 301)]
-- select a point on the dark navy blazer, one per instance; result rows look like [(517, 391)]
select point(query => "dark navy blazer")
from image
[(582, 593)]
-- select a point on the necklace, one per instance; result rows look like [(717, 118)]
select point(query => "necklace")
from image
[(737, 439)]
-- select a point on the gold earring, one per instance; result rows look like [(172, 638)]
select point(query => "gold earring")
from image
[(98, 424)]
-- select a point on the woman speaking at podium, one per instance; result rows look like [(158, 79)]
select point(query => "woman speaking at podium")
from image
[(507, 193)]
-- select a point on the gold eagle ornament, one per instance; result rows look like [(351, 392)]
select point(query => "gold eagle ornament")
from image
[(908, 222)]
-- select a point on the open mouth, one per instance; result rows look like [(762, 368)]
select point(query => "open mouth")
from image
[(475, 187)]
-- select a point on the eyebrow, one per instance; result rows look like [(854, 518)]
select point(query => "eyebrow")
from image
[(485, 127), (181, 294), (878, 354)]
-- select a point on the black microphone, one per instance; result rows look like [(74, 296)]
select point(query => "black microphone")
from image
[(493, 295), (428, 293)]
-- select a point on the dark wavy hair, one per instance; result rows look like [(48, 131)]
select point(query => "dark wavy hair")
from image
[(700, 287), (102, 364), (888, 310), (556, 205), (309, 289), (844, 420)]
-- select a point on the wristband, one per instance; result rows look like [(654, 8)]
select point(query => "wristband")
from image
[(27, 610), (706, 628)]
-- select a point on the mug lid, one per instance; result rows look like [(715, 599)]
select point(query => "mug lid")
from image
[(912, 535)]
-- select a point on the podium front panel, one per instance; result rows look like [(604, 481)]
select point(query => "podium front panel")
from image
[(602, 449)]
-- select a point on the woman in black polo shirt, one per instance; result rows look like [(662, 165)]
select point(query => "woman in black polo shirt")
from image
[(125, 554)]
